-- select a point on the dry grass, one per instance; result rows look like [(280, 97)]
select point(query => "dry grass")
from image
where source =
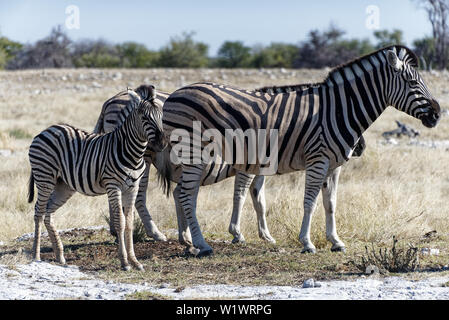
[(390, 191)]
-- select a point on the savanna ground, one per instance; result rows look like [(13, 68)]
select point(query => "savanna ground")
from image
[(392, 190)]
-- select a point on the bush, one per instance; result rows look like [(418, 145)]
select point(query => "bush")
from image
[(276, 55), (184, 52), (233, 54)]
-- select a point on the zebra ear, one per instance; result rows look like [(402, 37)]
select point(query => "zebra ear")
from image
[(393, 60), (134, 97)]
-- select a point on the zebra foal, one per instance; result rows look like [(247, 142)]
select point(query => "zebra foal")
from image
[(65, 160)]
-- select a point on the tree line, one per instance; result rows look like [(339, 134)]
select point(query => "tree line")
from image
[(321, 48)]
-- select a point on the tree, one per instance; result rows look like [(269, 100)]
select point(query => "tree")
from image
[(234, 54), (184, 52), (425, 49), (95, 54), (386, 38), (8, 50), (276, 55), (135, 55), (437, 13), (51, 52), (328, 48)]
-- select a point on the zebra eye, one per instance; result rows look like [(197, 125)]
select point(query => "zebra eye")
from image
[(413, 82)]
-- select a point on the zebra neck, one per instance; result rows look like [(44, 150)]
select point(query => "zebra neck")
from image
[(356, 96), (131, 144)]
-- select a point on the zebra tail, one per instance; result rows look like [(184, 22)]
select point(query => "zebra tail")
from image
[(31, 188), (164, 171)]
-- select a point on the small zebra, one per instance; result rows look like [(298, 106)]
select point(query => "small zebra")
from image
[(65, 160), (318, 126), (116, 109)]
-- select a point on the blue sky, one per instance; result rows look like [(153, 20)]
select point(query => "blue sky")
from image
[(253, 22)]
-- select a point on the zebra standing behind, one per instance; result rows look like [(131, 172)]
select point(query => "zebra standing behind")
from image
[(65, 160), (317, 126)]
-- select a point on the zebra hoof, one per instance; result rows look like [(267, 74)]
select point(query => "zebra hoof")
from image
[(126, 268), (339, 249), (308, 250), (140, 267), (238, 240), (205, 253), (158, 237)]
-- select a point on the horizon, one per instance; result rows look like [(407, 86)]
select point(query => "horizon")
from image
[(253, 23)]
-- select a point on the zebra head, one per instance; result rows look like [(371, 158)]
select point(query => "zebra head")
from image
[(406, 90), (150, 113)]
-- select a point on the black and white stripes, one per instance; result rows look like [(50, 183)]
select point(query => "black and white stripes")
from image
[(65, 160), (318, 126)]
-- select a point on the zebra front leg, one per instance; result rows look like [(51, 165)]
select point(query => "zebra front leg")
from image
[(329, 192), (184, 235), (190, 182), (241, 184), (118, 219), (315, 175), (258, 195), (128, 200), (150, 227)]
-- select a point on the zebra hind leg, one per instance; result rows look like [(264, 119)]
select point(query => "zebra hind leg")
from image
[(44, 191), (150, 227), (241, 184), (329, 192), (184, 235), (190, 183), (258, 196), (59, 196)]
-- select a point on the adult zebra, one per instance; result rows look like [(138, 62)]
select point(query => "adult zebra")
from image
[(114, 112), (317, 126), (65, 159)]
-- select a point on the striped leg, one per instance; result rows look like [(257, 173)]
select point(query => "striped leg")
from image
[(241, 184), (258, 196), (59, 197), (118, 218), (128, 201), (315, 175), (329, 192), (190, 182), (44, 191), (184, 235), (150, 227)]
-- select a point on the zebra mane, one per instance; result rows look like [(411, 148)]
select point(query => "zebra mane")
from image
[(287, 88), (404, 53)]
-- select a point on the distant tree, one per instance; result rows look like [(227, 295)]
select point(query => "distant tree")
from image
[(386, 38), (184, 52), (234, 54), (438, 14), (95, 54), (8, 49), (328, 48), (135, 55), (425, 49), (51, 52), (276, 55)]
